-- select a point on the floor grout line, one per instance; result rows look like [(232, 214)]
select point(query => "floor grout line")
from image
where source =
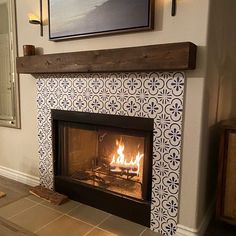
[(90, 231), (50, 222), (53, 209), (96, 226), (103, 220), (36, 204), (33, 200), (73, 208), (79, 220), (58, 211), (106, 230), (142, 232)]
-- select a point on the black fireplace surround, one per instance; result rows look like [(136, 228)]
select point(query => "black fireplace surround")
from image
[(84, 172)]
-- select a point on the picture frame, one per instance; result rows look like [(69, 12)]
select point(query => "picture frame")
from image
[(79, 18)]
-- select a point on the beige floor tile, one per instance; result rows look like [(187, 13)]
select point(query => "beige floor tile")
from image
[(89, 214), (16, 207), (64, 208), (35, 217), (7, 228), (121, 226), (10, 197), (100, 232), (149, 232), (23, 189), (65, 226), (50, 222)]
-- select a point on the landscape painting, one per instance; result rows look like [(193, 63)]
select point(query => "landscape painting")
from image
[(83, 18)]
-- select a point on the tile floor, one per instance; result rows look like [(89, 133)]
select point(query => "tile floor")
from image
[(71, 218)]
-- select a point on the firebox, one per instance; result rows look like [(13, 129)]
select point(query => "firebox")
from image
[(104, 161)]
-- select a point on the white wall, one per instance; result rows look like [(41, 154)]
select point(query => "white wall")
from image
[(19, 147)]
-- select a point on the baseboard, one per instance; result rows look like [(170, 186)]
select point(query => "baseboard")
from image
[(200, 231), (19, 176), (186, 231)]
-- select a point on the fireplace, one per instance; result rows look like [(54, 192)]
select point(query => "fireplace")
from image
[(123, 82), (106, 156), (155, 96)]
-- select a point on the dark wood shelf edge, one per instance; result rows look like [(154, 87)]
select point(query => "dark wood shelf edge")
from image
[(162, 57)]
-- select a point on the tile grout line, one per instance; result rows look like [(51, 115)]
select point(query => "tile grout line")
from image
[(79, 220), (36, 204), (142, 232), (90, 231), (93, 226), (103, 220), (44, 226), (41, 204), (53, 209), (66, 213), (57, 218), (97, 226), (33, 200)]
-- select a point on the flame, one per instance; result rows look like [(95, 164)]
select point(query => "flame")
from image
[(120, 163)]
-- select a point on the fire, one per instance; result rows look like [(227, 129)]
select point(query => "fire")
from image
[(120, 164)]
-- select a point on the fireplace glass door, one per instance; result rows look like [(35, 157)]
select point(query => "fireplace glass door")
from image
[(104, 161), (104, 158)]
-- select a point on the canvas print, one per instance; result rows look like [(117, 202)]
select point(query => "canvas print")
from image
[(80, 18)]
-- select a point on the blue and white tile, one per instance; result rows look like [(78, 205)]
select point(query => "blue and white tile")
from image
[(152, 95)]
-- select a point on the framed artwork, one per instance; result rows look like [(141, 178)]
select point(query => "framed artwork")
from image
[(83, 18)]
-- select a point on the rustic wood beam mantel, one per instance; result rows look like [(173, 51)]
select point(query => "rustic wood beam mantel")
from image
[(162, 57)]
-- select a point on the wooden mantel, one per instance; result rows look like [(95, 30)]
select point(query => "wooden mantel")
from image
[(162, 57)]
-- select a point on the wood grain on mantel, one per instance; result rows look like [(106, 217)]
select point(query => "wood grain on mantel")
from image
[(162, 57)]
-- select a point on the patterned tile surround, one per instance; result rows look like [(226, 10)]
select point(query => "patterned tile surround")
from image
[(154, 95)]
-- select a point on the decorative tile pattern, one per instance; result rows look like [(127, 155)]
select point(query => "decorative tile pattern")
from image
[(154, 95)]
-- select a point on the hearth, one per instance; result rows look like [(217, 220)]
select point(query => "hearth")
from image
[(104, 161)]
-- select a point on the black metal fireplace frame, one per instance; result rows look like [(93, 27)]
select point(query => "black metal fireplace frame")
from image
[(120, 205)]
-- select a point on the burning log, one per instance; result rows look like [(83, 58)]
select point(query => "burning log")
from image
[(86, 175), (123, 171), (81, 175), (120, 165)]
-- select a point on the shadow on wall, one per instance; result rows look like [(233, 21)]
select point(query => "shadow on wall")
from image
[(222, 41), (200, 71), (219, 96), (207, 167), (227, 83), (158, 21)]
